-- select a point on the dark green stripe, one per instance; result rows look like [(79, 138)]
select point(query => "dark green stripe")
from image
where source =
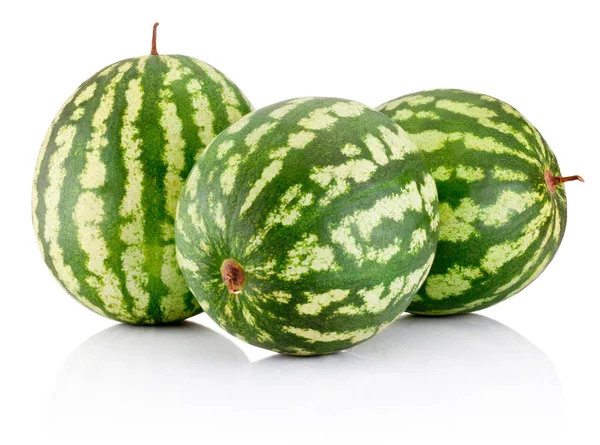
[(186, 112), (154, 167), (42, 175), (214, 92), (74, 255), (456, 122), (244, 106), (114, 189)]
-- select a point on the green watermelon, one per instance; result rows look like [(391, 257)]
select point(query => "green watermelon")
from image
[(502, 203), (307, 226), (108, 179)]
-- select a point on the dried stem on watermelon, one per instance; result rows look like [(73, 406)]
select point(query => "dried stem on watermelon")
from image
[(154, 52), (552, 181), (233, 276)]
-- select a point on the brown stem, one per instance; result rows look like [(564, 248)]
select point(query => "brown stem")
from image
[(233, 276), (153, 51), (552, 181), (562, 179)]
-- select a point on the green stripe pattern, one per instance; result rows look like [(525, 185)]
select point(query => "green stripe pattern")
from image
[(500, 223), (327, 207), (108, 179)]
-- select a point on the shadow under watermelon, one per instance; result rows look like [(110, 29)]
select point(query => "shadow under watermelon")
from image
[(142, 382), (467, 378), (460, 379)]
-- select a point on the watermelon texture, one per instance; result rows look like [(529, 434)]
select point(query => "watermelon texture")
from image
[(307, 226), (108, 179), (502, 204)]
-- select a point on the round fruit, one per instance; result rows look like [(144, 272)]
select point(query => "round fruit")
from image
[(109, 175), (502, 203), (307, 226)]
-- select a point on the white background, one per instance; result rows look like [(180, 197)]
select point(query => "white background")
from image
[(524, 371)]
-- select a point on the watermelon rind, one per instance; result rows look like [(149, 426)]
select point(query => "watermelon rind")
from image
[(108, 179), (307, 226), (502, 218)]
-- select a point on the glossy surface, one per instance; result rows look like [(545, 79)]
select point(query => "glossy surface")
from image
[(500, 224)]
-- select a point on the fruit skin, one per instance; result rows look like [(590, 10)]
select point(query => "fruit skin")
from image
[(500, 224), (108, 177), (326, 206)]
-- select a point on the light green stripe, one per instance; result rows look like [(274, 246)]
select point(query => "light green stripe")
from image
[(173, 304), (132, 231), (227, 95), (52, 196), (89, 209), (203, 115), (267, 175)]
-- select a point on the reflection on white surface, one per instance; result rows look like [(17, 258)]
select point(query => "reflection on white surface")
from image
[(145, 382), (463, 378), (457, 379)]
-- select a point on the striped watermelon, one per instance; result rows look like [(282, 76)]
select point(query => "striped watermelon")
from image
[(307, 226), (109, 175), (502, 205)]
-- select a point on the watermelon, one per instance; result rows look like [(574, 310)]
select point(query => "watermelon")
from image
[(108, 179), (503, 207), (307, 226)]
